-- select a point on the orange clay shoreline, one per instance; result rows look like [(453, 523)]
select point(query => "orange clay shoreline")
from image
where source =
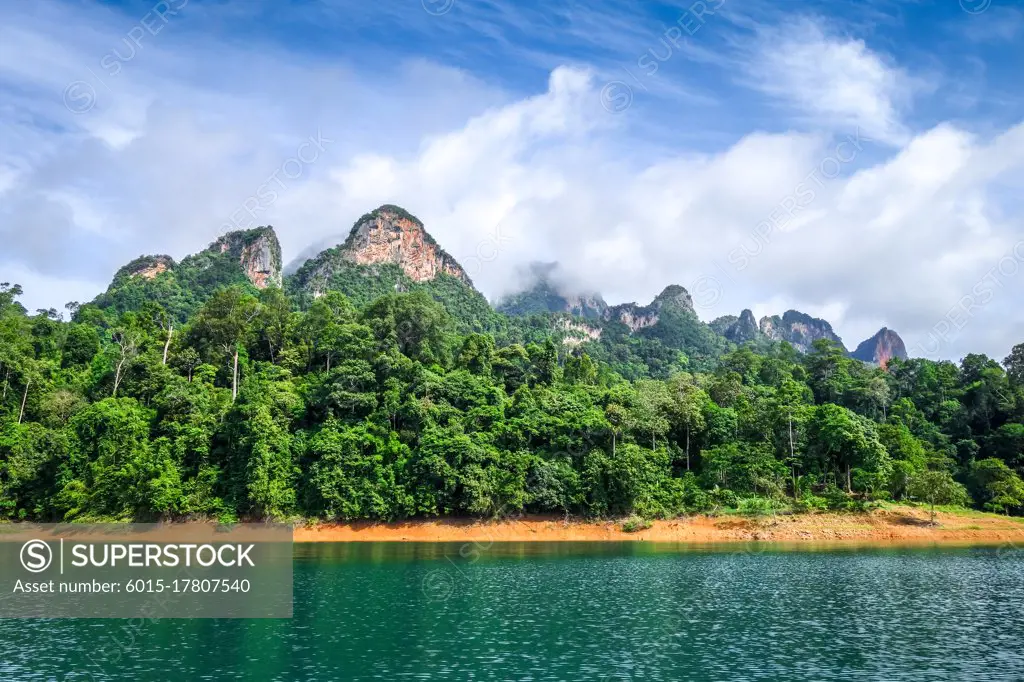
[(902, 526)]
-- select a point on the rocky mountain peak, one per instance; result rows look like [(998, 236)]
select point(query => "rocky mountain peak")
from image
[(737, 329), (637, 317), (747, 318), (390, 234), (885, 345), (673, 296), (799, 329), (743, 329), (258, 252)]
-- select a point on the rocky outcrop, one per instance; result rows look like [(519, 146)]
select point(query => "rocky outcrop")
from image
[(391, 235), (585, 305), (258, 252), (146, 267), (387, 242), (881, 348), (738, 329), (576, 333), (261, 262), (673, 298), (798, 329), (182, 287), (633, 316)]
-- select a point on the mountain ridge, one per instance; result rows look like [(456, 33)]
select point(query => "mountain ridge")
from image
[(389, 250)]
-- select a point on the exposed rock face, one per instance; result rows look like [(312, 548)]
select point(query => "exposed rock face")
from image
[(881, 348), (147, 267), (585, 305), (260, 265), (739, 329), (391, 235), (385, 244), (674, 298), (799, 329), (633, 316), (576, 332), (258, 252)]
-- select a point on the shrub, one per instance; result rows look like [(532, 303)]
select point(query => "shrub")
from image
[(836, 498), (723, 497), (685, 495), (757, 506), (635, 524), (811, 502)]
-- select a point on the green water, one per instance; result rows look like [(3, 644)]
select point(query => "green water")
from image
[(577, 611)]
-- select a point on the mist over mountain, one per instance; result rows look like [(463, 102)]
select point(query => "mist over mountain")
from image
[(311, 251)]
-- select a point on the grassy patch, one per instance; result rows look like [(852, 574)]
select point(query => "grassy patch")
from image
[(964, 512)]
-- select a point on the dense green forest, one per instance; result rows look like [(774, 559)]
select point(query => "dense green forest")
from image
[(248, 403)]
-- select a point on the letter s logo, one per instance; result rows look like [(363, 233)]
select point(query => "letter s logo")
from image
[(36, 556)]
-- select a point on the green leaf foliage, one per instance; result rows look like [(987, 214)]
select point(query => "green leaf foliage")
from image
[(188, 392)]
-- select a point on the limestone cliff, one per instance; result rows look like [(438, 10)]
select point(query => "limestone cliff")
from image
[(632, 315), (146, 267), (575, 333), (636, 317), (881, 348), (737, 329), (391, 235), (258, 253), (799, 329), (387, 237)]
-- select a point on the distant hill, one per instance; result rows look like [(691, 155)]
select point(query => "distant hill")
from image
[(389, 250), (881, 348), (250, 258)]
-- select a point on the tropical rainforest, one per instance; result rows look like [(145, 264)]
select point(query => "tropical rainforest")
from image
[(193, 393)]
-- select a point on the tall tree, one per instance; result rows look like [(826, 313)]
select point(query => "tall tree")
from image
[(686, 410), (223, 324)]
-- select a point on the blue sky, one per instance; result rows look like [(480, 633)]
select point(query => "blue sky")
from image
[(861, 161)]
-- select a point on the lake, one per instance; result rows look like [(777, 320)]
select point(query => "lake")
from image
[(577, 611)]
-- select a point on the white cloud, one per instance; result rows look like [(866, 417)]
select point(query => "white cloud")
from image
[(834, 81), (163, 160)]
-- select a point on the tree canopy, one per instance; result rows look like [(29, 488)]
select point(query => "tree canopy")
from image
[(256, 404)]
